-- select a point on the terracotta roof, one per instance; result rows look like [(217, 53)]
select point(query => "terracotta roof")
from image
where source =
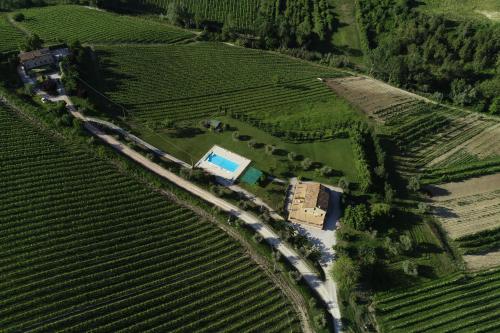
[(309, 204), (26, 56), (316, 195)]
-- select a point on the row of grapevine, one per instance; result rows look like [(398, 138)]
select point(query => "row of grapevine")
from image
[(428, 135), (240, 13), (10, 37), (70, 23), (84, 247), (456, 304), (200, 80)]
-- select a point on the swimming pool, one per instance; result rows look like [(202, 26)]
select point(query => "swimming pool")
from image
[(222, 162)]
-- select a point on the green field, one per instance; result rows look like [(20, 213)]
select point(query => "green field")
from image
[(70, 23), (336, 154), (459, 9), (10, 37), (346, 37), (198, 80), (454, 304), (86, 247)]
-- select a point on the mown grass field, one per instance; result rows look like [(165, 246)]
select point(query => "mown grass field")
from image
[(85, 247), (71, 22), (10, 37), (460, 9), (346, 37), (458, 303), (334, 153)]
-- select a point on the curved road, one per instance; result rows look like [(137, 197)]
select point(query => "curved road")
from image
[(322, 289)]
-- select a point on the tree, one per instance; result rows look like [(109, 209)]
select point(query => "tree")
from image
[(344, 184), (19, 17), (410, 268), (252, 144), (326, 171), (388, 193), (346, 273), (173, 13), (270, 149), (33, 42), (495, 107), (306, 163), (423, 207), (236, 135), (380, 210), (406, 243), (357, 217), (414, 184), (292, 156)]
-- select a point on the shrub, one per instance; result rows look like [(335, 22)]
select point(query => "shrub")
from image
[(346, 272), (423, 207), (326, 171), (252, 144), (236, 136), (406, 243), (306, 164), (410, 268), (19, 17), (357, 217), (414, 184)]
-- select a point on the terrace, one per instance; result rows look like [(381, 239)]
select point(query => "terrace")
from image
[(223, 163)]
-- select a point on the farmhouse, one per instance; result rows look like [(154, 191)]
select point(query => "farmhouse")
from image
[(36, 58), (309, 204)]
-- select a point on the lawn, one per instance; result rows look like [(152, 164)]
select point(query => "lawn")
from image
[(460, 9), (346, 37), (71, 22), (334, 153)]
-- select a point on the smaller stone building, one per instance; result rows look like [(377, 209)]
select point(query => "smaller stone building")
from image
[(309, 204)]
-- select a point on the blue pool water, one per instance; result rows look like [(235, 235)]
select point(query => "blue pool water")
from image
[(222, 162)]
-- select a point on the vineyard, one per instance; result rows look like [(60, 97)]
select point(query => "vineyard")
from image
[(242, 13), (469, 213), (85, 247), (454, 304), (444, 143), (70, 23), (10, 37), (200, 80)]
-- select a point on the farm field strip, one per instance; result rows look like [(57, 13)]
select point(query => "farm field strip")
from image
[(75, 252), (459, 301), (91, 26)]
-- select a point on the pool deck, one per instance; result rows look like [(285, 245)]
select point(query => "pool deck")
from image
[(218, 171)]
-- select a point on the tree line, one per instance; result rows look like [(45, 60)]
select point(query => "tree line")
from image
[(458, 62)]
